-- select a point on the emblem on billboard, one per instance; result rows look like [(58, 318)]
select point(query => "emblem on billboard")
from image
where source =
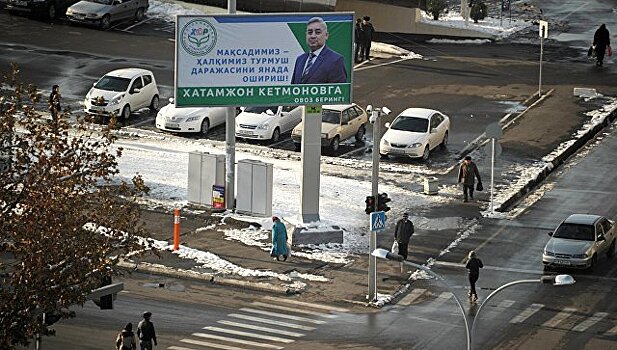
[(198, 37)]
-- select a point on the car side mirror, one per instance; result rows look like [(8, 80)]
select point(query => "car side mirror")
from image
[(387, 125), (269, 112), (601, 238), (433, 130), (550, 233), (136, 90), (171, 100)]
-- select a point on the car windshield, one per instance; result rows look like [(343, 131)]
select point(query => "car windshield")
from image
[(113, 83), (261, 109), (412, 124), (330, 116), (575, 231)]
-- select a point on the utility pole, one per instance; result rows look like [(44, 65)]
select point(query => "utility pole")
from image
[(230, 143), (543, 35)]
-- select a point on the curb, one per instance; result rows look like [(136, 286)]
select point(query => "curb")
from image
[(556, 162), (163, 270)]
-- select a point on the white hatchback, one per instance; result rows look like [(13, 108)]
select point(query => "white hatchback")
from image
[(122, 92), (267, 122), (415, 133), (189, 119)]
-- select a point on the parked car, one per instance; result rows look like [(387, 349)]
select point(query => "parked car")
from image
[(46, 8), (338, 123), (103, 12), (122, 92), (578, 242), (267, 122), (415, 133), (189, 119)]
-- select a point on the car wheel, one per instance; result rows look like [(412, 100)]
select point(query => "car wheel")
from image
[(106, 22), (205, 127), (360, 133), (126, 113), (444, 142), (154, 104), (334, 144), (426, 153), (298, 147), (51, 11), (594, 262), (611, 250), (139, 15), (276, 135)]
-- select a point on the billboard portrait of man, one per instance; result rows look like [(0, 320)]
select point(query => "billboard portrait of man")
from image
[(321, 65)]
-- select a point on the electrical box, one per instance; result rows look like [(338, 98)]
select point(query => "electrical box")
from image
[(254, 188), (205, 170)]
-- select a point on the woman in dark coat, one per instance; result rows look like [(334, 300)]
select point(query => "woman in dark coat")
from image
[(601, 40), (358, 36)]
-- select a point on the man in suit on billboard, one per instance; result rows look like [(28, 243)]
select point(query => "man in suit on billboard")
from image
[(320, 65)]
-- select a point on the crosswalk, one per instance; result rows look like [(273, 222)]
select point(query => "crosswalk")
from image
[(567, 318), (269, 323)]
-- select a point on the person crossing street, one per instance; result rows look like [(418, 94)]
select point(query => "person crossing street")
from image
[(402, 233)]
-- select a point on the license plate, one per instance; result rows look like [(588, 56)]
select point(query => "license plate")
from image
[(397, 150), (245, 132), (563, 262), (172, 125)]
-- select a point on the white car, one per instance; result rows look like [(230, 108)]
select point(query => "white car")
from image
[(103, 12), (267, 122), (122, 92), (415, 133), (189, 119)]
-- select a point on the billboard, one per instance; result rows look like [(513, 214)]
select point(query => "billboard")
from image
[(264, 59)]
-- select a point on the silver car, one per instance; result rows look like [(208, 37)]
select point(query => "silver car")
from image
[(579, 241), (103, 12)]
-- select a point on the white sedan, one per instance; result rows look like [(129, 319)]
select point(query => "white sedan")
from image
[(415, 133), (267, 122), (189, 119)]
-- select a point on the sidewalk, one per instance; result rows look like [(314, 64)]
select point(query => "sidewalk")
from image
[(534, 143)]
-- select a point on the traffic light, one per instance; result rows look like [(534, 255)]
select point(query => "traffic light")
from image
[(370, 204), (382, 200)]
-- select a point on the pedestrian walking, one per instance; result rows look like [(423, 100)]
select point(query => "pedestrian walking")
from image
[(279, 240), (146, 333), (467, 174), (601, 42), (474, 264), (402, 233), (126, 338), (367, 37), (54, 104), (358, 40)]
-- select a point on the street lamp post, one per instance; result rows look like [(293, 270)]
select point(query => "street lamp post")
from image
[(558, 280), (384, 254)]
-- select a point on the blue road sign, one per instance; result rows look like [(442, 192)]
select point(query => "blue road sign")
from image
[(378, 221)]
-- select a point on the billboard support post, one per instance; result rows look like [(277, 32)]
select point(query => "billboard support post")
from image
[(311, 154), (230, 143)]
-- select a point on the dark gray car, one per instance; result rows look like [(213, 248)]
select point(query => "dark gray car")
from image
[(103, 12)]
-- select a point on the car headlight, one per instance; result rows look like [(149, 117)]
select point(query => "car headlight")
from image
[(116, 100), (69, 12), (580, 256), (191, 119), (385, 142), (263, 126), (415, 145), (549, 253)]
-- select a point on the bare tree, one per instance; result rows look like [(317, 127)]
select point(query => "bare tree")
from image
[(65, 217)]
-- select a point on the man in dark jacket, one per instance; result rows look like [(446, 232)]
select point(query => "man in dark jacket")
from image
[(467, 174), (474, 264), (601, 40), (358, 36), (146, 333), (402, 234), (367, 37)]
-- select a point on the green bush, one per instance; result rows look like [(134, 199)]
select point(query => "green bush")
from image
[(478, 11), (436, 7)]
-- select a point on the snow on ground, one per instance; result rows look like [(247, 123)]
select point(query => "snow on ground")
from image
[(495, 27)]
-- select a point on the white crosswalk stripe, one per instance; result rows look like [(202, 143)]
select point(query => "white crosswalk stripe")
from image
[(611, 332), (293, 309), (301, 303), (209, 344), (561, 316), (441, 299), (239, 341), (412, 296), (492, 312), (180, 348), (532, 309), (263, 329), (249, 334), (583, 326), (272, 322), (275, 314)]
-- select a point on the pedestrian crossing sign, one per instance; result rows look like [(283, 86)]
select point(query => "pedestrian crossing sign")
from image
[(378, 221)]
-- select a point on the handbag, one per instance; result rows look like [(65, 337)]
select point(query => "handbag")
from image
[(394, 249), (590, 51), (479, 186), (609, 51)]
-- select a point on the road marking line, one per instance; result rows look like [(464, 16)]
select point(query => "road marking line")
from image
[(412, 296), (441, 299), (179, 348), (316, 306), (581, 327), (612, 331), (272, 322), (274, 314), (383, 64), (259, 328), (290, 309), (234, 340), (493, 312), (249, 334), (136, 24), (212, 345), (561, 316), (532, 309)]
